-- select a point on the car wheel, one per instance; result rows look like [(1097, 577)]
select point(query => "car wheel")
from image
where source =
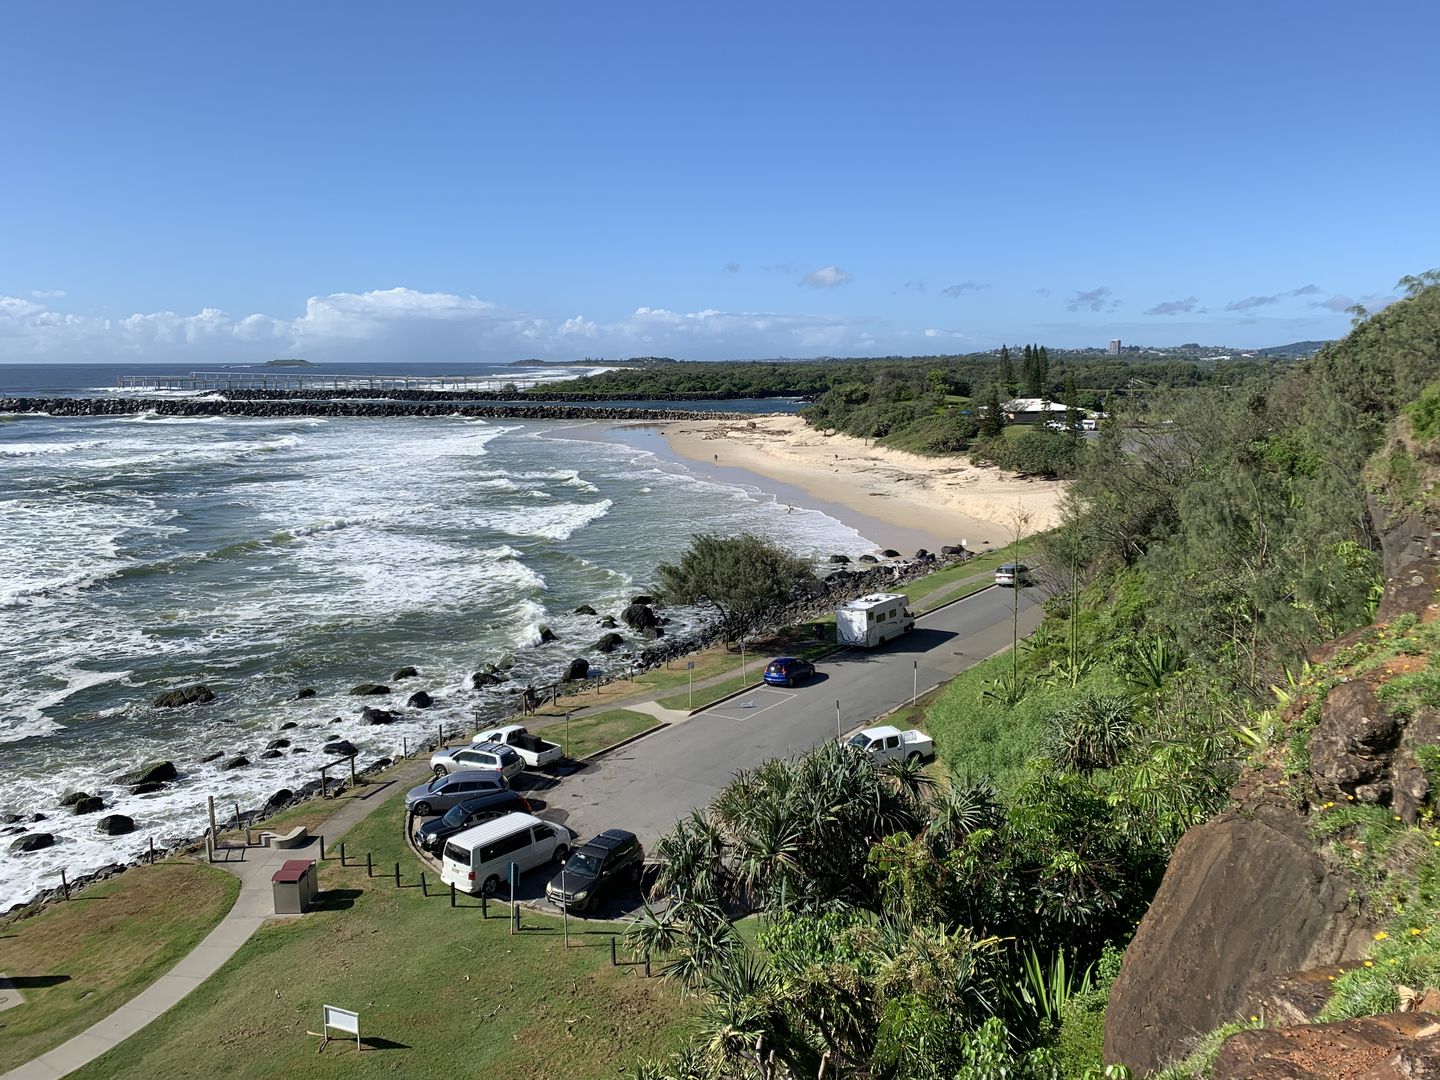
[(440, 770), (790, 683), (558, 856), (915, 758), (422, 809), (491, 886)]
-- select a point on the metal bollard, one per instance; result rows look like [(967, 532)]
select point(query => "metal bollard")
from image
[(64, 884), (452, 894), (397, 875), (369, 866), (423, 890), (342, 853), (152, 851), (484, 906), (613, 961)]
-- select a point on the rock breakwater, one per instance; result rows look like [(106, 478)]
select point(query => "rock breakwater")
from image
[(309, 406)]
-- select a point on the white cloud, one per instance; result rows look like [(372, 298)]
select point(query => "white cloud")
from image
[(827, 277)]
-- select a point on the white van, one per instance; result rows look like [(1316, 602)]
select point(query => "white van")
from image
[(478, 860), (873, 620)]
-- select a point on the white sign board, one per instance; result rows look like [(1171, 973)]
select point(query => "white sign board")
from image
[(340, 1020)]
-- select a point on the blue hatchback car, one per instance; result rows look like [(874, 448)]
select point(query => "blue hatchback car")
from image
[(788, 670)]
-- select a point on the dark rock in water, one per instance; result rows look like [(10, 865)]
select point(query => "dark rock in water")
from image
[(652, 632), (236, 762), (506, 662), (378, 764), (584, 609), (369, 689), (839, 560), (336, 720), (91, 804), (212, 757), (277, 744), (341, 748), (482, 679), (288, 724), (406, 672), (638, 617), (31, 842), (420, 700), (37, 817), (379, 716), (921, 553), (198, 694), (10, 819), (305, 692), (74, 797), (546, 635), (278, 801), (146, 789), (869, 559), (490, 669), (578, 669), (299, 750), (115, 825), (609, 643), (646, 600), (271, 755), (889, 553), (157, 772), (608, 622), (951, 549)]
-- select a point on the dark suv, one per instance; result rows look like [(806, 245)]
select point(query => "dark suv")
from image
[(614, 857), (432, 835)]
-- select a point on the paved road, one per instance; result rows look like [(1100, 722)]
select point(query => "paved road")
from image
[(649, 784)]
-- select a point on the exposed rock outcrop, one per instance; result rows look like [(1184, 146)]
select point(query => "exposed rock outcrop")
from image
[(639, 617), (369, 689), (34, 841), (406, 672), (419, 700), (1395, 1046), (158, 772), (115, 825), (198, 694), (577, 669)]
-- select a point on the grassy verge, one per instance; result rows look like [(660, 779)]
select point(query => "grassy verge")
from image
[(77, 962), (441, 992), (595, 732)]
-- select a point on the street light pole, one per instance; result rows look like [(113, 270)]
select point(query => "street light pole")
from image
[(914, 681)]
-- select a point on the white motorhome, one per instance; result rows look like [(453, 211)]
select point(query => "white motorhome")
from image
[(873, 620)]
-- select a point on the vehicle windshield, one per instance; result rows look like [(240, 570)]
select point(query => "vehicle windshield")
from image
[(436, 784), (858, 740), (583, 863), (454, 816)]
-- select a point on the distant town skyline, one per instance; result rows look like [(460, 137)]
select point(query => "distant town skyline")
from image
[(453, 183)]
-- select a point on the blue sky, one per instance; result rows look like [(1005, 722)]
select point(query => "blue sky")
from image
[(462, 181)]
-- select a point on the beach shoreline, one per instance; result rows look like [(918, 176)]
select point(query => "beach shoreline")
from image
[(892, 497)]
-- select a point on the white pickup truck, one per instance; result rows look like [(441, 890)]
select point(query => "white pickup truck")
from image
[(892, 744), (533, 750)]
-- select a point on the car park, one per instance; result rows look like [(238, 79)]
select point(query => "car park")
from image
[(611, 859), (1013, 575), (440, 794), (788, 670), (477, 860), (486, 756), (431, 835)]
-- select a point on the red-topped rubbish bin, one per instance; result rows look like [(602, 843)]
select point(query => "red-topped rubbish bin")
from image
[(294, 886)]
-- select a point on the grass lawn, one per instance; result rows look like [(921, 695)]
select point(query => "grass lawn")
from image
[(441, 992), (102, 948), (592, 733)]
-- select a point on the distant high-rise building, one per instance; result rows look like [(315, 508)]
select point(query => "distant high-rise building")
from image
[(1114, 349)]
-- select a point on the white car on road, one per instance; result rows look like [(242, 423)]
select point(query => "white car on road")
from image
[(892, 744), (486, 756)]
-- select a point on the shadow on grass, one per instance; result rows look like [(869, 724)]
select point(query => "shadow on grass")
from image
[(32, 982), (372, 1043), (335, 899)]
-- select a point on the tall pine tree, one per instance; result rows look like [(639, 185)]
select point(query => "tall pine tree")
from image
[(993, 422), (1007, 370)]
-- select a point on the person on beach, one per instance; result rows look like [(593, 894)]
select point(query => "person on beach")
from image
[(532, 700)]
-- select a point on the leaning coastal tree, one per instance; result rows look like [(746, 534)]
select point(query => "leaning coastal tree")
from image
[(740, 578)]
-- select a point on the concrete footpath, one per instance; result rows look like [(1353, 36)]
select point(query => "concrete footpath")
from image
[(252, 907)]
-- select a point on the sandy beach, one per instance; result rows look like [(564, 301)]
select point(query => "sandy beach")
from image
[(897, 499)]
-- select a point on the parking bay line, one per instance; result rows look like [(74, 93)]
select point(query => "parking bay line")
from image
[(752, 712)]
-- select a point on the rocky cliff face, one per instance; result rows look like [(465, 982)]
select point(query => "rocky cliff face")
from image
[(1252, 902)]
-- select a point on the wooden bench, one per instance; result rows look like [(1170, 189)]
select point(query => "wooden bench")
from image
[(296, 837)]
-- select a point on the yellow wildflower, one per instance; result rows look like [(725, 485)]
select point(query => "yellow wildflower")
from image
[(1381, 936)]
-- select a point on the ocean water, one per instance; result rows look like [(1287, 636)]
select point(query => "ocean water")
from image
[(260, 556)]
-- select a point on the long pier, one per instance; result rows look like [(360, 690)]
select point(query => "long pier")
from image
[(299, 380)]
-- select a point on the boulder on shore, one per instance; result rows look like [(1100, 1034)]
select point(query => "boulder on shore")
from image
[(238, 762), (652, 632), (648, 601), (420, 700), (158, 772), (146, 789), (288, 724), (839, 560), (91, 804), (889, 553), (608, 622), (369, 689), (639, 616), (341, 748), (74, 797), (115, 825), (578, 669), (482, 679), (379, 716), (216, 756), (305, 692), (584, 609), (546, 635), (951, 549), (270, 755), (869, 559), (406, 672), (278, 801), (277, 744), (31, 842), (197, 694), (608, 643)]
